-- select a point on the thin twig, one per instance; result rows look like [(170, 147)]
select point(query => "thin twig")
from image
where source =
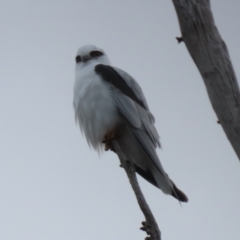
[(150, 225)]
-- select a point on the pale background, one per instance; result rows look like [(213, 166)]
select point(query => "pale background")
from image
[(52, 186)]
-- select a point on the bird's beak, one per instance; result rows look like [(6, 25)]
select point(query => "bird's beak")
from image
[(86, 58)]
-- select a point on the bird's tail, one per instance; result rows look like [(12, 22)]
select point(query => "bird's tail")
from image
[(137, 146), (178, 194)]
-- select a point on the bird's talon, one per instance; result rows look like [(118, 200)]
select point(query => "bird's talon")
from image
[(108, 141)]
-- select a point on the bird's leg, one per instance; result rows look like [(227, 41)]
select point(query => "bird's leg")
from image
[(108, 141)]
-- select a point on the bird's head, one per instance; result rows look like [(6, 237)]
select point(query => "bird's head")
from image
[(89, 54)]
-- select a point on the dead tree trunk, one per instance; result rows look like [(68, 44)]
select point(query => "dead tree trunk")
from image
[(210, 54)]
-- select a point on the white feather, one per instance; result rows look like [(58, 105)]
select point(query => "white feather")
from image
[(95, 111)]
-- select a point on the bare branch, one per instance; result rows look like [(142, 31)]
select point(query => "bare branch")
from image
[(210, 54), (150, 225)]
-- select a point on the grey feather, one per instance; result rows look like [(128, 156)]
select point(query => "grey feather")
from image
[(139, 130)]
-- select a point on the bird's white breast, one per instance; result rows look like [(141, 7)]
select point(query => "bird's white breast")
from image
[(94, 108)]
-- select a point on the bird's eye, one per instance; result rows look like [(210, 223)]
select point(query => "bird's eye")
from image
[(78, 59), (96, 53)]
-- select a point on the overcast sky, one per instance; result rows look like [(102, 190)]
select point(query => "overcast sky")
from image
[(52, 186)]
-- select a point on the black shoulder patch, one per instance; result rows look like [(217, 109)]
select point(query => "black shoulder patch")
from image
[(109, 75)]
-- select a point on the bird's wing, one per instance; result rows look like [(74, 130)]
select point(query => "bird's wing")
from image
[(139, 138), (132, 105), (130, 100)]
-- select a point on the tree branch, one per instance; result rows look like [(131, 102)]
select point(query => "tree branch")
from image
[(150, 225), (210, 54)]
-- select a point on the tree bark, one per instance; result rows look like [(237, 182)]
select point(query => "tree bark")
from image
[(150, 225), (210, 54)]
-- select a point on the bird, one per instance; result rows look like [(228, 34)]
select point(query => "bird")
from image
[(110, 105)]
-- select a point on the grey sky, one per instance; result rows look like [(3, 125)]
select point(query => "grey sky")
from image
[(52, 185)]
